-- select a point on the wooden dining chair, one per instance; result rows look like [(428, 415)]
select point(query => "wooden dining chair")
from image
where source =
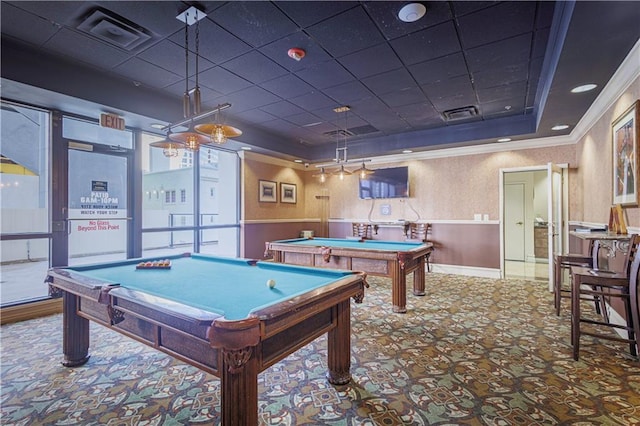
[(564, 262), (363, 231), (605, 285), (420, 232)]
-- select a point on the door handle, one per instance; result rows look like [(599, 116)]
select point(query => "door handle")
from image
[(519, 223)]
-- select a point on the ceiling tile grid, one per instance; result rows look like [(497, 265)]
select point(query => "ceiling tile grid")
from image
[(396, 76)]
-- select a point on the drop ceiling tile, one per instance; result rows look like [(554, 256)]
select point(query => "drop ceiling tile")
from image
[(453, 93), (439, 69), (255, 22), (389, 81), (421, 114), (461, 8), (282, 109), (149, 74), (306, 13), (249, 98), (255, 115), (508, 19), (255, 67), (497, 76), (326, 74), (430, 43), (371, 61), (287, 86), (500, 54), (223, 81), (304, 119), (313, 100), (349, 92), (63, 13), (502, 92), (356, 31), (170, 56), (87, 49), (540, 39), (406, 96), (216, 44), (502, 108), (385, 14), (17, 23)]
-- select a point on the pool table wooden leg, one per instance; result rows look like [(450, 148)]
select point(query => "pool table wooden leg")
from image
[(75, 338), (239, 387), (339, 346), (418, 277), (398, 287)]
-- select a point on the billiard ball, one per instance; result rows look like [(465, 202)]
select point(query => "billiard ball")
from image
[(271, 283)]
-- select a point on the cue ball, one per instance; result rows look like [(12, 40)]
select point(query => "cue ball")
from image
[(271, 283)]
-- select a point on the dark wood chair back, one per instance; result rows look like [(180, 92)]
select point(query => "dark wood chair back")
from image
[(362, 230)]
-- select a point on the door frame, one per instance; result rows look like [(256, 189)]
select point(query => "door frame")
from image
[(565, 203)]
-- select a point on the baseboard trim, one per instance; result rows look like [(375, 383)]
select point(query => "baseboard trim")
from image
[(467, 271), (30, 310)]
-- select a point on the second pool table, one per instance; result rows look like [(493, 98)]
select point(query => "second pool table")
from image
[(393, 259), (217, 314)]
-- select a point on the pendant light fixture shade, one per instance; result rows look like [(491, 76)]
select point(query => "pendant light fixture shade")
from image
[(169, 147), (341, 173), (190, 139), (218, 133), (322, 175), (364, 172)]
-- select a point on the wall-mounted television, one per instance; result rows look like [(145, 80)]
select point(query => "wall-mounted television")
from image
[(385, 183)]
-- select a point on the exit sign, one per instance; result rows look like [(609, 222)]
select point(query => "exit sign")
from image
[(112, 121)]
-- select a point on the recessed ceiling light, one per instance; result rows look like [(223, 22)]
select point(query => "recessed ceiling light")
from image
[(412, 12), (297, 161), (245, 148), (157, 126), (407, 151), (584, 88), (504, 139), (560, 127)]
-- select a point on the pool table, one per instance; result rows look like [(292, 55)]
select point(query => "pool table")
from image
[(392, 259), (218, 314)]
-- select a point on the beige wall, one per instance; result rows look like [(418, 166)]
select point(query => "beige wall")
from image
[(595, 170), (452, 188)]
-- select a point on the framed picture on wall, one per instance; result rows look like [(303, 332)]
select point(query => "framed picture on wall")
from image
[(288, 193), (625, 135), (268, 192)]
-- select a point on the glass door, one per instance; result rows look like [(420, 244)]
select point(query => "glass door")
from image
[(97, 208)]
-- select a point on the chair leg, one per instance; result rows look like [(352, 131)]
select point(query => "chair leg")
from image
[(557, 283), (635, 314), (575, 317), (632, 331)]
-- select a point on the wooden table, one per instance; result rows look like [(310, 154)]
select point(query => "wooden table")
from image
[(392, 259), (217, 314)]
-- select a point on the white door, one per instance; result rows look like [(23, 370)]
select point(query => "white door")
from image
[(555, 223), (514, 221)]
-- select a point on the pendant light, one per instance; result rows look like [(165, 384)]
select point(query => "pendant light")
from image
[(364, 172), (195, 135), (169, 147)]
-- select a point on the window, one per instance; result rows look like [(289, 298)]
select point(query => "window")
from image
[(216, 222), (24, 190)]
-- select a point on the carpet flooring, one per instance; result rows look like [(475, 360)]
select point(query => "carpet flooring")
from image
[(473, 351)]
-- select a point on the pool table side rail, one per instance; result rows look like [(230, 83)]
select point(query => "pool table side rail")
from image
[(169, 327)]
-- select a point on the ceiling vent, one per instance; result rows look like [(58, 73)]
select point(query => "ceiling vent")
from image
[(114, 30), (363, 130), (460, 113), (338, 133)]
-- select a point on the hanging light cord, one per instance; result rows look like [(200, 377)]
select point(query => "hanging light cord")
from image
[(186, 101)]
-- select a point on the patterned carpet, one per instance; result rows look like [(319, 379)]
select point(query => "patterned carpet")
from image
[(472, 352)]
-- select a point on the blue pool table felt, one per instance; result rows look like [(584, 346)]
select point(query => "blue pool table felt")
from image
[(226, 286)]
